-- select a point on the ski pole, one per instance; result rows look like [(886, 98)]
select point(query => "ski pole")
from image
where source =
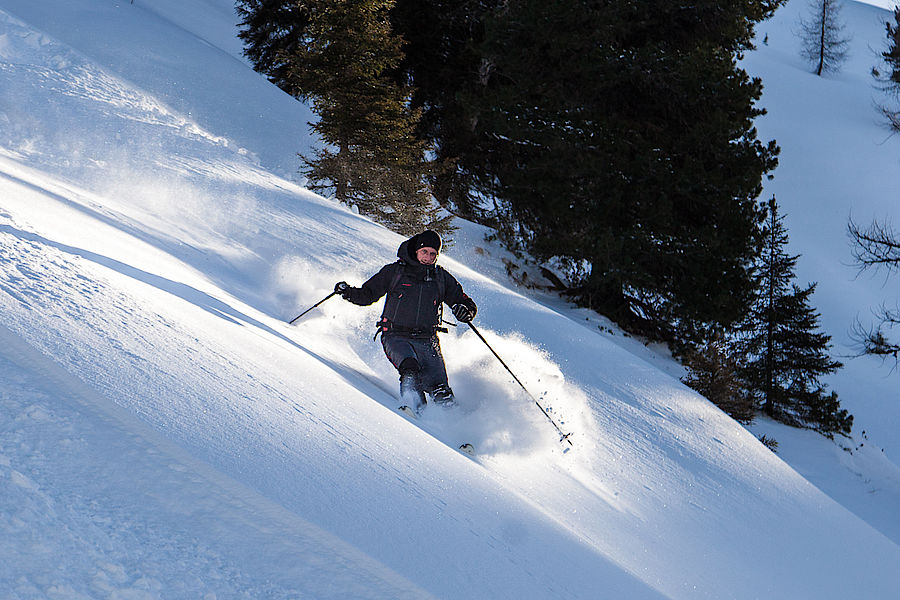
[(312, 307), (565, 436)]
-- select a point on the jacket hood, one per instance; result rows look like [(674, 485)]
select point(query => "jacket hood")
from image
[(404, 254), (407, 255)]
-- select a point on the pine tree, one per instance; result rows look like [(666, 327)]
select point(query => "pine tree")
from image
[(342, 56), (785, 353), (442, 62), (891, 56), (272, 31), (372, 158), (822, 36), (619, 135)]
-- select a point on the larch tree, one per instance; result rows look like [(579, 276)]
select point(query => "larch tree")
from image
[(878, 247), (823, 43)]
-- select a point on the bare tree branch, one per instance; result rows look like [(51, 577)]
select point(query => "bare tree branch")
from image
[(877, 246), (873, 342)]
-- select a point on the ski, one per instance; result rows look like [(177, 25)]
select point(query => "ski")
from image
[(409, 412)]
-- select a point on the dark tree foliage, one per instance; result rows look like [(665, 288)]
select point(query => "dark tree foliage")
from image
[(891, 56), (620, 134), (890, 81), (713, 371), (342, 56), (441, 61), (272, 32), (438, 61), (784, 353)]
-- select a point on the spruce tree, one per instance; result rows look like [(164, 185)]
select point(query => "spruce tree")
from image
[(442, 62), (785, 354), (342, 55), (272, 31), (619, 136)]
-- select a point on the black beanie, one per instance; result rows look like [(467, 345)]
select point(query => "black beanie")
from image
[(426, 239)]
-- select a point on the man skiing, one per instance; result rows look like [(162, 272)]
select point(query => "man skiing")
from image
[(416, 290)]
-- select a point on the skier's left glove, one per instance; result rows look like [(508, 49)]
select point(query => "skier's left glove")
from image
[(342, 289), (463, 313)]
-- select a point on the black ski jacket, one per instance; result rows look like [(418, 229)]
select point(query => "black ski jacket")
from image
[(415, 294)]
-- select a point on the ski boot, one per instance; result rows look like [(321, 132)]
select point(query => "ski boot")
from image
[(443, 395), (411, 394)]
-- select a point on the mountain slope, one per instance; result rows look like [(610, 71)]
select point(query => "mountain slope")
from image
[(837, 162), (169, 435)]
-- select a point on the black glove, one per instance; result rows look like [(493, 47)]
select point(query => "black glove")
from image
[(342, 289), (463, 313)]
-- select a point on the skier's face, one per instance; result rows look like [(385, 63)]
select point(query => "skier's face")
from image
[(426, 255)]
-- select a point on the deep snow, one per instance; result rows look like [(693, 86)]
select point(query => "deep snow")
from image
[(165, 434), (837, 161)]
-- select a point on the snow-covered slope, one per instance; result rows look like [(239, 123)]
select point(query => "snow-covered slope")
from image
[(838, 161), (165, 434)]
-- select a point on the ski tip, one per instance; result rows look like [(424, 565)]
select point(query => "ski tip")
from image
[(409, 412), (467, 449)]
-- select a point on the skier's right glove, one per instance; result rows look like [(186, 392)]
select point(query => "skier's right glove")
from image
[(463, 313), (342, 289)]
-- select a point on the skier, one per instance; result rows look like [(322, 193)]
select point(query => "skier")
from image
[(416, 290)]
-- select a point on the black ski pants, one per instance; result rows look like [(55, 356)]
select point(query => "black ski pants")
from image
[(425, 350)]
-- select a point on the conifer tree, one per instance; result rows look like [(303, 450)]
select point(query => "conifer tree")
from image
[(785, 354), (713, 371), (442, 61), (619, 135), (342, 56), (891, 56), (272, 31)]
